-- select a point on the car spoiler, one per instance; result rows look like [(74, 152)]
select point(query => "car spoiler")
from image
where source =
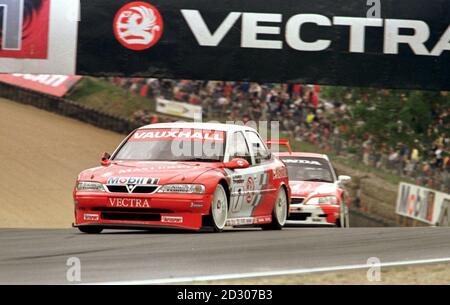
[(280, 143)]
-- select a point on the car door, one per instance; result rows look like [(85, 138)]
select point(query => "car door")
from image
[(264, 193), (249, 186), (241, 179)]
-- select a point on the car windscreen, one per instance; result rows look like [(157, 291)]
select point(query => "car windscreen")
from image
[(174, 145), (308, 169)]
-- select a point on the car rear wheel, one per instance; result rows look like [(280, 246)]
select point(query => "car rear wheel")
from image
[(219, 209), (347, 217), (279, 214), (344, 217), (90, 229)]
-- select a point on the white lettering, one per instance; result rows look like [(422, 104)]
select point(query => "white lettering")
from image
[(293, 32), (251, 29), (201, 31), (443, 44), (375, 9), (393, 38), (128, 203), (197, 135), (73, 274), (186, 135), (148, 135), (357, 30)]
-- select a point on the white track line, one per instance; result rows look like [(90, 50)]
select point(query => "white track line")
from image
[(269, 273)]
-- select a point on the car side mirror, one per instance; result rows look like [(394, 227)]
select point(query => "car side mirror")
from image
[(237, 163), (344, 179), (106, 159)]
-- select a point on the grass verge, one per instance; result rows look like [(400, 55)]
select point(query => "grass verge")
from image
[(105, 96)]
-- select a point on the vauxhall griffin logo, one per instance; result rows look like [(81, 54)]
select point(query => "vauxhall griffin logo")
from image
[(138, 26)]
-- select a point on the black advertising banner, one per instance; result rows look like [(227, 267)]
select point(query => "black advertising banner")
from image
[(321, 41), (381, 43)]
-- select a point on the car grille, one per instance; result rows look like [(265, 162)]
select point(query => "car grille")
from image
[(131, 216), (117, 188), (299, 216), (297, 200), (137, 190), (144, 189)]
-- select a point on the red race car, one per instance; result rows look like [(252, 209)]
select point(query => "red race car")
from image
[(184, 175), (318, 197)]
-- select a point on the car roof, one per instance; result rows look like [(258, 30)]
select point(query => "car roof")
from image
[(207, 126), (302, 154)]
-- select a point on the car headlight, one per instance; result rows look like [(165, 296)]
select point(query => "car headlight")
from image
[(322, 200), (89, 186), (183, 188)]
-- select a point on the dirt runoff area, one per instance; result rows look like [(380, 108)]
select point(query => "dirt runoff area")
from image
[(406, 275), (41, 154)]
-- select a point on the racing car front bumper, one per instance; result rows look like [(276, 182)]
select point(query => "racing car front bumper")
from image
[(313, 215), (109, 210)]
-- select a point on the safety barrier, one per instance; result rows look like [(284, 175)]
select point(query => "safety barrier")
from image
[(67, 108)]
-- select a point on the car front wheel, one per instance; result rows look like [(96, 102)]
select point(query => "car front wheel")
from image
[(90, 229), (219, 209)]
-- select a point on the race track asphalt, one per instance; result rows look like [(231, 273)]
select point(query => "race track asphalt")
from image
[(39, 256), (41, 155)]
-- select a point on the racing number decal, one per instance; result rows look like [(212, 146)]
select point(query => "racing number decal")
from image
[(250, 189), (11, 32), (248, 192), (244, 191), (239, 190), (261, 187)]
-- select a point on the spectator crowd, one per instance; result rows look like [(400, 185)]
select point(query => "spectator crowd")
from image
[(307, 116)]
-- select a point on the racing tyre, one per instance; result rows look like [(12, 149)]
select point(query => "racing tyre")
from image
[(344, 217), (219, 210), (90, 229), (279, 214)]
